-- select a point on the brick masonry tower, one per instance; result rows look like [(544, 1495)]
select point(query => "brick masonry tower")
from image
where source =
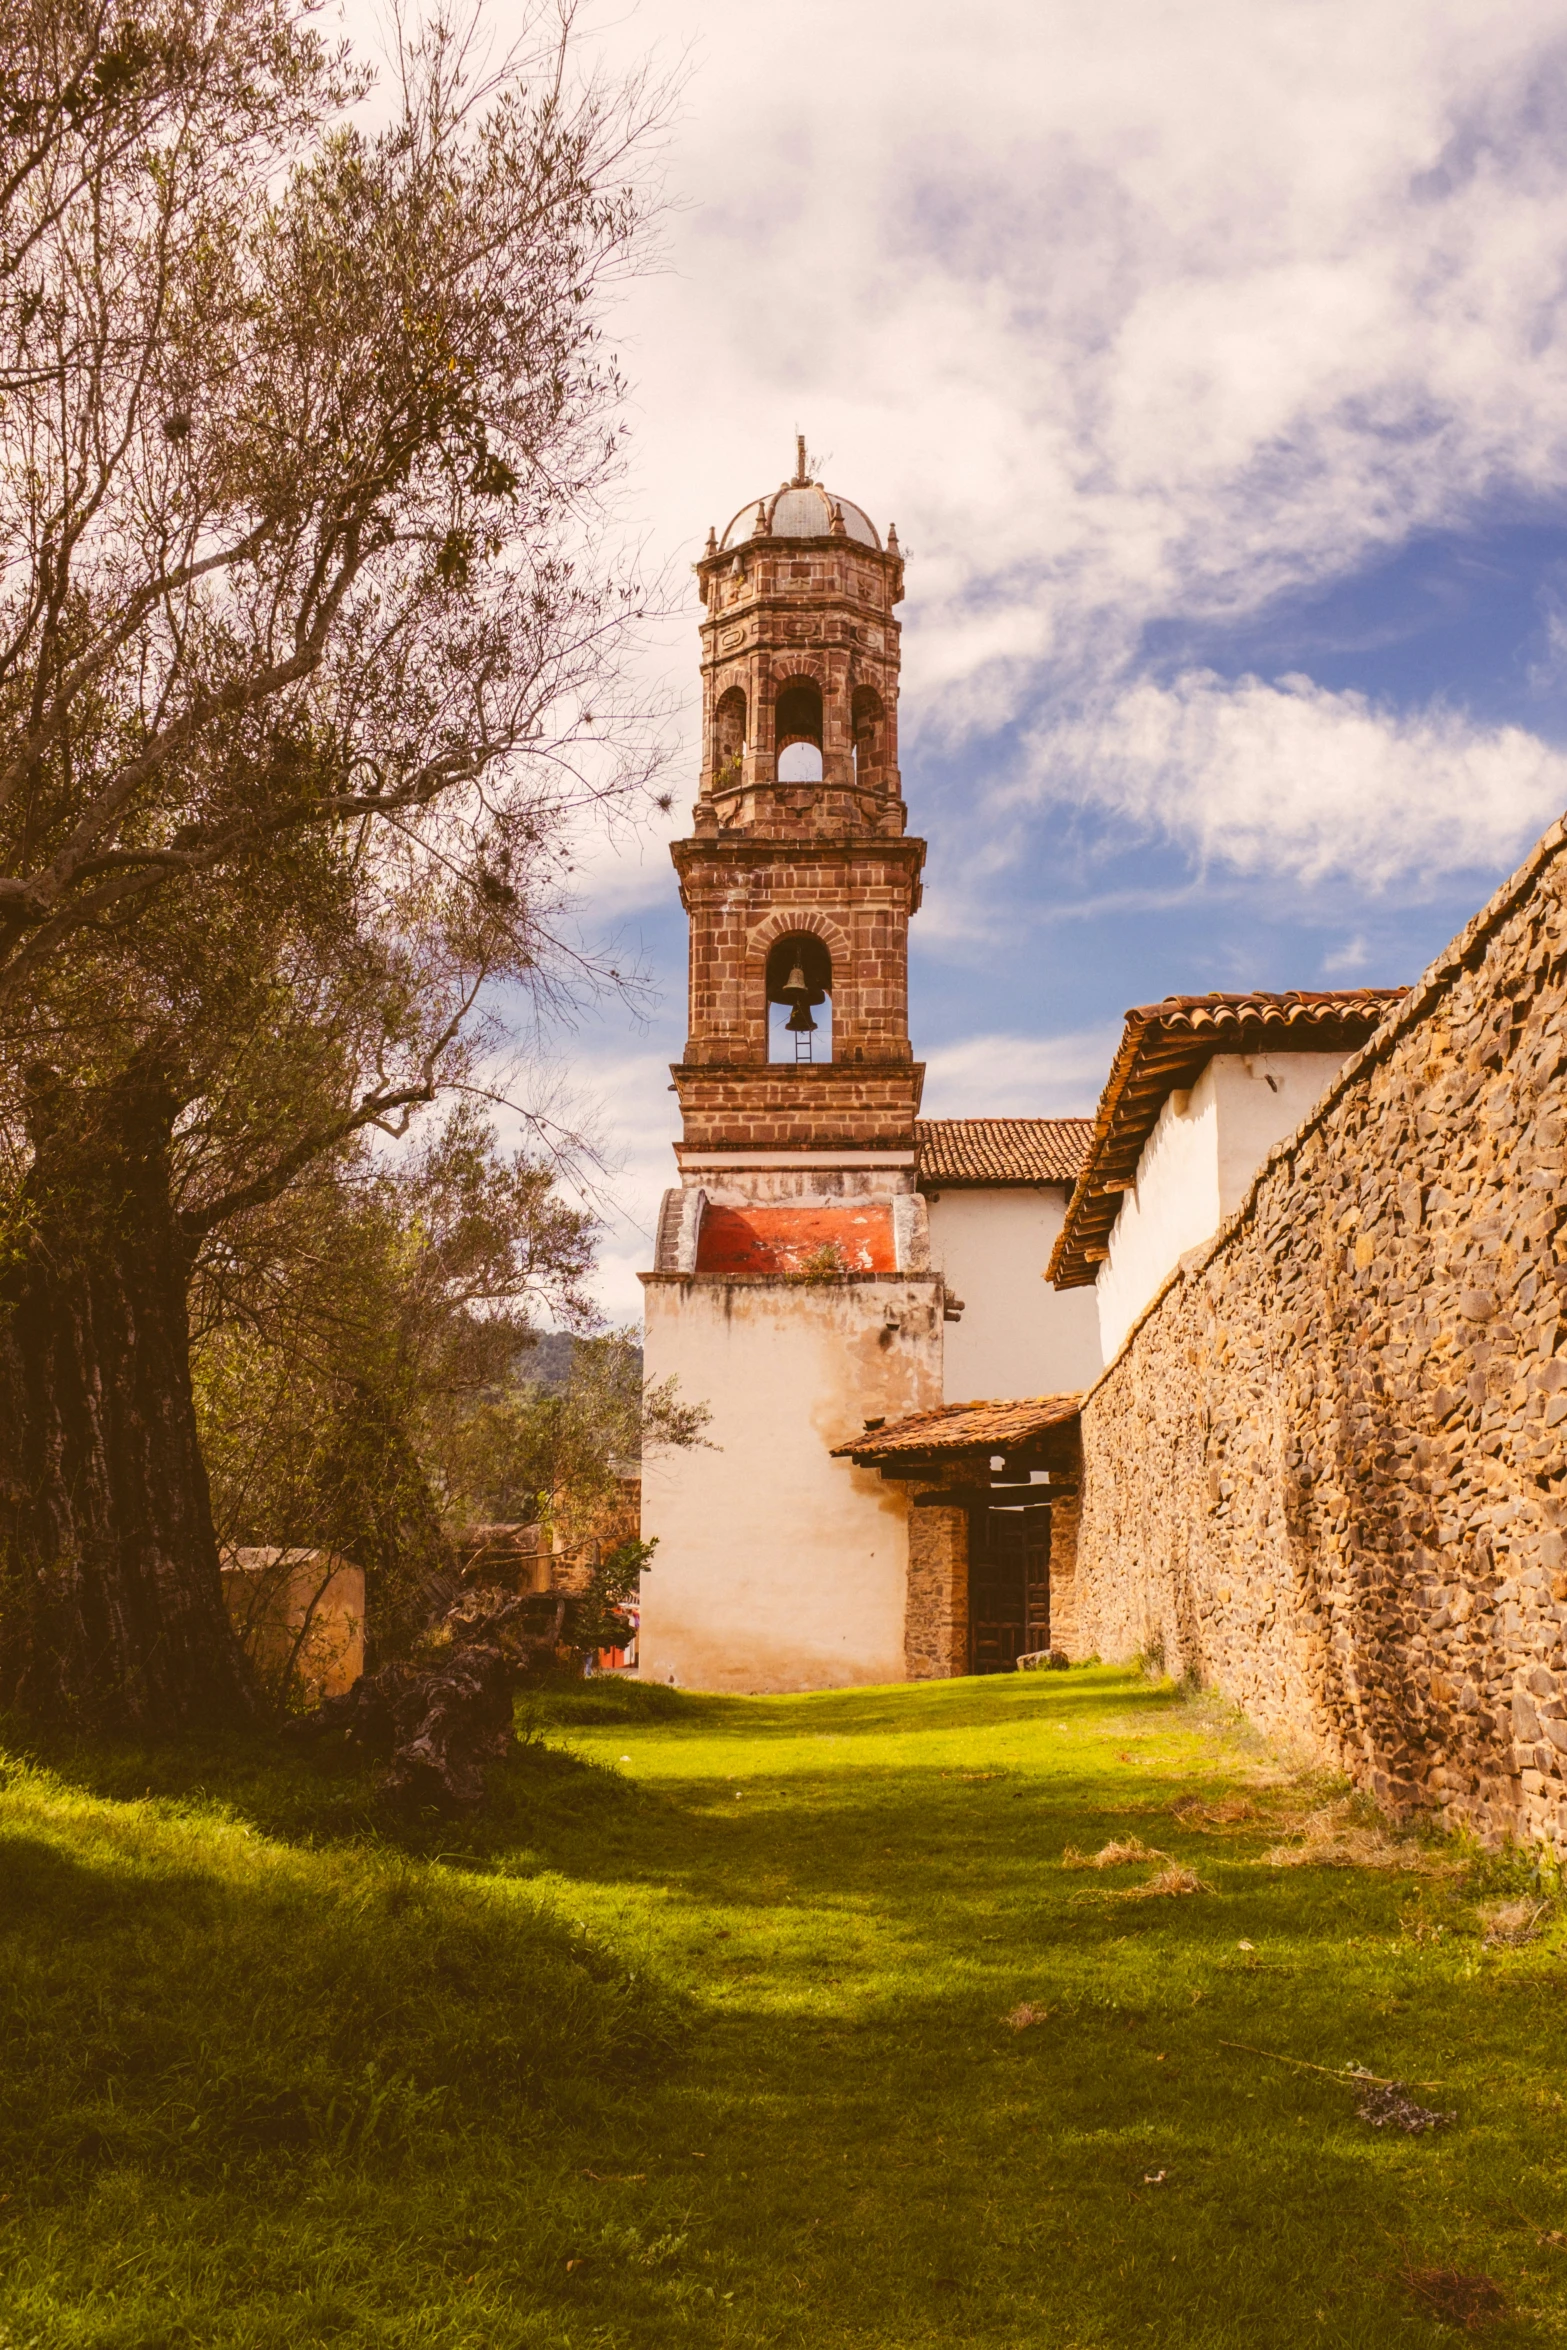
[(792, 1291)]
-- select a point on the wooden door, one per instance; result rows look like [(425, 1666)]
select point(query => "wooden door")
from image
[(1008, 1585)]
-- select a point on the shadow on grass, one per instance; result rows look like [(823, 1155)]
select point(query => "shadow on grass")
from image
[(181, 1994), (865, 2152), (328, 1794)]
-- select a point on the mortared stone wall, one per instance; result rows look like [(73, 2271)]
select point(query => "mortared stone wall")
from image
[(1327, 1474)]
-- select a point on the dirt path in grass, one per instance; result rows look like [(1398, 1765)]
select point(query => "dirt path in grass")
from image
[(951, 2088)]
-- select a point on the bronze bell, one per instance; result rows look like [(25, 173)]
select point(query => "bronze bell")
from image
[(796, 994)]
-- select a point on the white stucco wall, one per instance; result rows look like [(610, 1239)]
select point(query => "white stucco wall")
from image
[(778, 1567), (1262, 1097), (1018, 1336), (1195, 1168)]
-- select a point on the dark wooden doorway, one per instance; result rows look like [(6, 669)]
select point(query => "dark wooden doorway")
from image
[(1008, 1585)]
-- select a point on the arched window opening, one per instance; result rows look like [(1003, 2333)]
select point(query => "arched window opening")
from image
[(800, 763), (728, 738), (799, 991), (797, 731), (870, 735)]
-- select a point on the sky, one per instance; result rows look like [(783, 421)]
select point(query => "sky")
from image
[(1211, 359)]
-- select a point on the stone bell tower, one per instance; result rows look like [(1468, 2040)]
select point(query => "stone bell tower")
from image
[(792, 1291)]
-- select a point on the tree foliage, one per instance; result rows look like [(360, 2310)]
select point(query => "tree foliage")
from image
[(309, 676), (299, 427)]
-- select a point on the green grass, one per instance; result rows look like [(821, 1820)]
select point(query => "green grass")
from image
[(699, 2036)]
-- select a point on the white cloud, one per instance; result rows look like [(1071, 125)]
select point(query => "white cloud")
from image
[(1344, 961), (1119, 315), (1290, 778)]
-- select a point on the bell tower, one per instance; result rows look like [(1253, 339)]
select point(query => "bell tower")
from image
[(792, 1291), (799, 864)]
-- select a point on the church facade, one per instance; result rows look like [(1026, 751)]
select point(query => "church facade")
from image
[(1290, 1411)]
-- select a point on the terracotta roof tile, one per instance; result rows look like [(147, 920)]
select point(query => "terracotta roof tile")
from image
[(1165, 1048), (958, 1151), (962, 1427)]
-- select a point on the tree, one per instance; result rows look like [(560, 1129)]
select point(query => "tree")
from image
[(342, 1331), (306, 655)]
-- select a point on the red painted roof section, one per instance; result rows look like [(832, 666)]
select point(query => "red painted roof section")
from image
[(959, 1152), (786, 1240)]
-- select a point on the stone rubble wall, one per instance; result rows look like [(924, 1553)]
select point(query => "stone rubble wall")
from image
[(935, 1625), (1065, 1535), (1327, 1474)]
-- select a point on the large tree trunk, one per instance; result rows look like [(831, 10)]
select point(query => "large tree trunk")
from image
[(111, 1607)]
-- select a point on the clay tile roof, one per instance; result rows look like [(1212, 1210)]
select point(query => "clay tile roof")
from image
[(962, 1427), (958, 1151), (1165, 1048)]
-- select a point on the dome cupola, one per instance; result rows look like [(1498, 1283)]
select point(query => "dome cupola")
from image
[(800, 509), (800, 669)]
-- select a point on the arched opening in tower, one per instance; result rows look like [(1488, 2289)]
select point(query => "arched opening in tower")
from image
[(728, 738), (869, 718), (799, 998), (797, 731)]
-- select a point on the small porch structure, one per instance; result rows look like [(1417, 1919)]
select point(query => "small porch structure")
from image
[(992, 1496)]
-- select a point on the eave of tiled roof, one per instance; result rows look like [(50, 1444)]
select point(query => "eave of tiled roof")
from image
[(1164, 1049), (959, 1152), (961, 1427)]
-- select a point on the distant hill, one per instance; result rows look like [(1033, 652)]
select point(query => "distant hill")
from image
[(548, 1360)]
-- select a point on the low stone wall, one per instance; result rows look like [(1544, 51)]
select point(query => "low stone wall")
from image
[(1328, 1472), (935, 1624)]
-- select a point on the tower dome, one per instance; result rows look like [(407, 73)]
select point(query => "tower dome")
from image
[(800, 509)]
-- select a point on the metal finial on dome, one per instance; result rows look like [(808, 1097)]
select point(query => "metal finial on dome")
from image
[(801, 477)]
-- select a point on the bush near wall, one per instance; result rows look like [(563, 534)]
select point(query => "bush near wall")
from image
[(1328, 1471)]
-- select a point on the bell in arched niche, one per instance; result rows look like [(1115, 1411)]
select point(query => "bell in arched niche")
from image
[(799, 974)]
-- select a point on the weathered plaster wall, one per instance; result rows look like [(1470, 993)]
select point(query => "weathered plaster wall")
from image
[(778, 1567), (1195, 1168), (1018, 1336), (1327, 1473)]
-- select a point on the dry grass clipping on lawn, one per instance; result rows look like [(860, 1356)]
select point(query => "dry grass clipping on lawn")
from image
[(1469, 2301), (1512, 1923), (1339, 1836), (1192, 1812), (1112, 1856), (1174, 1879)]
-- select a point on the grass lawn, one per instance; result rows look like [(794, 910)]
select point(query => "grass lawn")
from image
[(765, 2021)]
